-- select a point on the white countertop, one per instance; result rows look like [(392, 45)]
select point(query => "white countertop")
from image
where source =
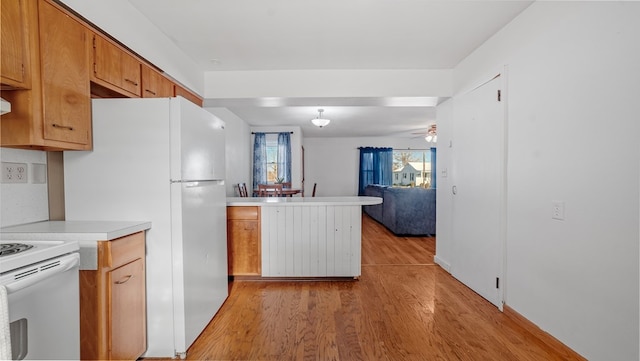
[(72, 230), (87, 233), (303, 201)]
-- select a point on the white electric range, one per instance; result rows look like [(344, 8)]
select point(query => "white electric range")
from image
[(40, 286), (17, 254)]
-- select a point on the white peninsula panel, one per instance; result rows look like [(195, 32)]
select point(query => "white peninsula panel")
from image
[(321, 241)]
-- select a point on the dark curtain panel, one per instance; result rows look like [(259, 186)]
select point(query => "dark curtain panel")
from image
[(259, 160), (376, 167)]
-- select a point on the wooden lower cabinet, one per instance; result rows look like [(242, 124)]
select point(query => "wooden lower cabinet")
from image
[(243, 241), (113, 302)]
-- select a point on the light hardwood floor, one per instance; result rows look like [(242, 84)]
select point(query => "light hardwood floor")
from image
[(404, 307)]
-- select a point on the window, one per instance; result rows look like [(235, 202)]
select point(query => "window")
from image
[(272, 158), (416, 163)]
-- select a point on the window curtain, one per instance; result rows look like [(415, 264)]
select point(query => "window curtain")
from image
[(284, 156), (259, 159), (376, 167), (433, 168)]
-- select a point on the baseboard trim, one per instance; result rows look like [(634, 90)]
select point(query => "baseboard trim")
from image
[(446, 266), (542, 336)]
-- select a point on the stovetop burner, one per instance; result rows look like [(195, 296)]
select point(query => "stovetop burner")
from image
[(7, 249)]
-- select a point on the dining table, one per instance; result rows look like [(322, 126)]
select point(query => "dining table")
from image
[(286, 192)]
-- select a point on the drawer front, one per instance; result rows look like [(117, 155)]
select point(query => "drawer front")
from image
[(246, 213), (124, 250)]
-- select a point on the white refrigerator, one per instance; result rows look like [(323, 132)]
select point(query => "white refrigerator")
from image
[(161, 160)]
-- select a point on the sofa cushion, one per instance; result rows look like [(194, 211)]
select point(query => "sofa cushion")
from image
[(404, 211), (409, 211)]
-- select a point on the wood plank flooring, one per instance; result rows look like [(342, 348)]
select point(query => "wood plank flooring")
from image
[(404, 307)]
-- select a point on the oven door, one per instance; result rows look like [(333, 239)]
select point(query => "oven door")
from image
[(44, 309)]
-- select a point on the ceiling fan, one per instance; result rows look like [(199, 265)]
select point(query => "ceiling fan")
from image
[(430, 134)]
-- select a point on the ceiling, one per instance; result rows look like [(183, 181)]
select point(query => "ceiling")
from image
[(324, 34)]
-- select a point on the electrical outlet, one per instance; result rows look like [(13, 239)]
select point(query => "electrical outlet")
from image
[(557, 210), (14, 172)]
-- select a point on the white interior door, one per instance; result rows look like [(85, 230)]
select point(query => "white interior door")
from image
[(479, 190)]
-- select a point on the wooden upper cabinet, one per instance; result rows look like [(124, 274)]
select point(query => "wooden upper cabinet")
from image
[(185, 93), (154, 84), (65, 77), (131, 75), (55, 112), (114, 68), (14, 46)]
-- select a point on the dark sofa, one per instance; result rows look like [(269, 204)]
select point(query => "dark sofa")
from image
[(404, 211)]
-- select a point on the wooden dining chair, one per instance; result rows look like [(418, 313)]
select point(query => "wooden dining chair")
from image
[(242, 190), (313, 194), (270, 190)]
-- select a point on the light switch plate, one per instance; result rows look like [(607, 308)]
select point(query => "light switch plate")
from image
[(38, 173), (557, 210)]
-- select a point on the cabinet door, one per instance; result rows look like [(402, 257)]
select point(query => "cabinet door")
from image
[(115, 67), (14, 52), (130, 74), (243, 242), (106, 61), (127, 310), (65, 76), (154, 85)]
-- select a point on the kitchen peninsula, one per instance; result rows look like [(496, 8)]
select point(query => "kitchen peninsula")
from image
[(303, 237)]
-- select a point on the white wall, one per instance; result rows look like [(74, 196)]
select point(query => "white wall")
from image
[(573, 87), (24, 202), (328, 83), (237, 150), (333, 162), (124, 22)]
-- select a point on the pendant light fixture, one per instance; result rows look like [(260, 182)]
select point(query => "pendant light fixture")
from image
[(320, 121)]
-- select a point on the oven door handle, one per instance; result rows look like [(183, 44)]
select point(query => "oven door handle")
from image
[(42, 271)]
